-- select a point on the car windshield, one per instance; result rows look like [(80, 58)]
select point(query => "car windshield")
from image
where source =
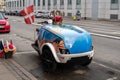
[(1, 16)]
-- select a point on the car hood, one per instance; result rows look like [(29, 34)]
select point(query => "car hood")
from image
[(3, 21), (78, 43)]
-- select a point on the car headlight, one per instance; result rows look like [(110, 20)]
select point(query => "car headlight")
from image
[(7, 23)]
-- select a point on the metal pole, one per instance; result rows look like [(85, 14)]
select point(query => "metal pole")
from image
[(85, 10)]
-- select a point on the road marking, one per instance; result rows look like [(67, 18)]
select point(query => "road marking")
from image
[(116, 32), (114, 78), (102, 65), (14, 20), (107, 36), (27, 52)]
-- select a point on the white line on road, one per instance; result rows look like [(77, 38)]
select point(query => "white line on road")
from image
[(116, 32), (102, 65), (114, 78), (107, 36)]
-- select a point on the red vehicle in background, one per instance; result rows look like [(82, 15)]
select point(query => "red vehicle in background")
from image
[(4, 24)]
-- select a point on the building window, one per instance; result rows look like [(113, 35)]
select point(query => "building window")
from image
[(114, 16), (23, 3), (6, 4), (114, 1), (20, 3), (69, 4), (69, 14), (17, 3), (114, 5), (12, 4), (78, 4), (61, 4), (43, 2), (55, 2), (38, 2), (49, 2), (34, 2)]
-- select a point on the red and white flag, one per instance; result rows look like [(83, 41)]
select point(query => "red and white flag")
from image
[(28, 14)]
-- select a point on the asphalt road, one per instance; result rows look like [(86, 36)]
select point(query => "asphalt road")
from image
[(105, 65)]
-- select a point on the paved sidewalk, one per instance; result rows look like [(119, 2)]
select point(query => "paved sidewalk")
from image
[(5, 74), (97, 22), (10, 70)]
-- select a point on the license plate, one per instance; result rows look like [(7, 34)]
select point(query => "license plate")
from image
[(1, 26)]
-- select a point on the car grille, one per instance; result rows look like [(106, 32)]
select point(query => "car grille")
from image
[(1, 28), (78, 60)]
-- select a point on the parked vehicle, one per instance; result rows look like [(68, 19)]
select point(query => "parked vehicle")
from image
[(14, 12), (47, 15), (6, 12), (61, 44), (4, 24), (38, 14), (11, 12)]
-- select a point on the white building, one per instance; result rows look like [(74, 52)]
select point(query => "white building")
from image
[(90, 9)]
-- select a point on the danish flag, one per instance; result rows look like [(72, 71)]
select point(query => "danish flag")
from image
[(28, 14)]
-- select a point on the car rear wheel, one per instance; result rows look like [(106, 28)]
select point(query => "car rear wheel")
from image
[(48, 61)]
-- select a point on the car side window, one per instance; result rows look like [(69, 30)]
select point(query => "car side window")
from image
[(1, 16), (41, 33), (48, 35), (51, 37)]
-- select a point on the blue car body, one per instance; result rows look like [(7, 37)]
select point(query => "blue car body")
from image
[(65, 42), (76, 40)]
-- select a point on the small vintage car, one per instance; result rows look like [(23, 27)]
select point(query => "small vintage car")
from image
[(63, 43)]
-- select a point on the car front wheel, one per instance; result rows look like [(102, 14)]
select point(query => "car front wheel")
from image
[(48, 61)]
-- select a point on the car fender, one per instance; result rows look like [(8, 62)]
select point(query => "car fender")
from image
[(52, 50)]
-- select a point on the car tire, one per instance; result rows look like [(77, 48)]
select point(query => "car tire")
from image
[(48, 62), (86, 61), (36, 44)]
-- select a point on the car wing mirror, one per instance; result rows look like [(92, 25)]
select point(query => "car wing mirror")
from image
[(6, 18)]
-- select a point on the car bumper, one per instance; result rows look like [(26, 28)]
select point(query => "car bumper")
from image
[(4, 30), (64, 58)]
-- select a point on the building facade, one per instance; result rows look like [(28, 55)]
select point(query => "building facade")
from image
[(90, 9), (2, 5)]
